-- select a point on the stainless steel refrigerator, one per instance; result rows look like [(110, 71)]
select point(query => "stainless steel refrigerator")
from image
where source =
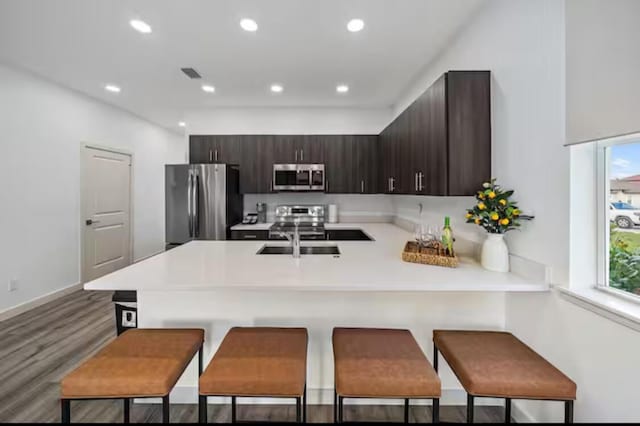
[(202, 201)]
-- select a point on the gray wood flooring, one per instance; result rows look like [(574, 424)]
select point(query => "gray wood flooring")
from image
[(39, 347)]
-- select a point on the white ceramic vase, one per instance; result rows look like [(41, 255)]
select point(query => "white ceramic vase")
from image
[(495, 253)]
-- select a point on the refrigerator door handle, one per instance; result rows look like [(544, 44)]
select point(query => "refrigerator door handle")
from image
[(190, 203), (196, 205)]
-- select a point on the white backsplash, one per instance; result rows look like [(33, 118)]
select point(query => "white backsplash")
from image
[(406, 209), (402, 209), (351, 208)]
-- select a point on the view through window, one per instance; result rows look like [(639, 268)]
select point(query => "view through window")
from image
[(624, 217)]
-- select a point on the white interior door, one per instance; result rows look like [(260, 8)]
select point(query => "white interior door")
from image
[(106, 212)]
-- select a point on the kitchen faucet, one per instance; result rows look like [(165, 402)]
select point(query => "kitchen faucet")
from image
[(294, 239)]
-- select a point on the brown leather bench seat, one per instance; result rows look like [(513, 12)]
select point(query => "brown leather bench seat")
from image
[(257, 362), (140, 363), (382, 363), (497, 364)]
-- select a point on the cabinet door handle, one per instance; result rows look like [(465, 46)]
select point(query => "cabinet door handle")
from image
[(302, 155), (393, 186), (326, 185), (420, 184), (210, 156), (416, 182), (296, 156), (361, 186), (250, 236), (216, 155)]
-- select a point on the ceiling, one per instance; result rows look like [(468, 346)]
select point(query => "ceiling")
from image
[(301, 44)]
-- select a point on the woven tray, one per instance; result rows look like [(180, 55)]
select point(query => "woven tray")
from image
[(428, 256)]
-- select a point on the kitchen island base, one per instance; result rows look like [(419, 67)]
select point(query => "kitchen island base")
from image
[(421, 312)]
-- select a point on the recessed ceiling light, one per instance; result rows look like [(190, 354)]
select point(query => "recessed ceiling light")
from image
[(182, 124), (342, 88), (249, 25), (276, 88), (208, 89), (140, 26), (355, 25), (112, 88)]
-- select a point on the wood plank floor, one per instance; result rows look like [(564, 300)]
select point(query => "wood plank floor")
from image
[(39, 347)]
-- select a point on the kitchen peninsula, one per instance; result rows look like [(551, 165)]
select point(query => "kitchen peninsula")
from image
[(220, 284)]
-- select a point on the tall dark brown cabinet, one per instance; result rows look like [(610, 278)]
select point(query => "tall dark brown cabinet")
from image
[(441, 144)]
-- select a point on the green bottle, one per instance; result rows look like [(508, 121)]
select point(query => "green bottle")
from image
[(447, 236)]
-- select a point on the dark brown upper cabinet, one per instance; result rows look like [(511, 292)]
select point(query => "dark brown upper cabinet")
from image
[(351, 164), (441, 144), (256, 165), (215, 149), (338, 158), (365, 164), (301, 149)]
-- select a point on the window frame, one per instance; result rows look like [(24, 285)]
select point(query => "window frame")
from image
[(603, 195)]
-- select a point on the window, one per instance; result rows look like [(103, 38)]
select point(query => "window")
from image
[(619, 218)]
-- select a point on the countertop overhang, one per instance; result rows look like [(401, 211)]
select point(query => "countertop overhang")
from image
[(372, 266)]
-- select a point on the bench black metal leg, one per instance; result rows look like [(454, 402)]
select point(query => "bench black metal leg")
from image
[(507, 410), (298, 410), (233, 409), (202, 409), (469, 408), (406, 410), (165, 409), (435, 410), (304, 404), (200, 362), (435, 357), (127, 407), (335, 406), (340, 408), (65, 415), (568, 411)]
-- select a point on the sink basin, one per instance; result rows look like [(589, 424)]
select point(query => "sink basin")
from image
[(267, 249)]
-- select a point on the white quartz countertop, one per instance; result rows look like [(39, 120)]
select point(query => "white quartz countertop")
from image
[(374, 266), (254, 227)]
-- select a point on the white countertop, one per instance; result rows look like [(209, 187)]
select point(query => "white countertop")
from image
[(255, 227), (374, 266)]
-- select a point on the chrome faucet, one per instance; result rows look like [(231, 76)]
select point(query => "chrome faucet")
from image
[(294, 239)]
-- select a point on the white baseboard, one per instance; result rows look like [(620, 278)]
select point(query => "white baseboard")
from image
[(38, 301)]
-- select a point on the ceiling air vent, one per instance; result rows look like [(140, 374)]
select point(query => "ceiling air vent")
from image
[(191, 73)]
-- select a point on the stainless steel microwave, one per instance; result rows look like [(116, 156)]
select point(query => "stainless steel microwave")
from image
[(298, 177)]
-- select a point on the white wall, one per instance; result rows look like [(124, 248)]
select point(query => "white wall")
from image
[(603, 59), (43, 126), (522, 43), (283, 121)]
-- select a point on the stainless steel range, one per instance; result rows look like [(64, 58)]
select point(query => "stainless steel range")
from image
[(308, 219)]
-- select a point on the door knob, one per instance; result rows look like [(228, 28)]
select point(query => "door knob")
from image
[(91, 222)]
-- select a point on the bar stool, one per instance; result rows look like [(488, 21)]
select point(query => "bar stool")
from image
[(258, 362), (382, 363), (496, 364), (140, 363)]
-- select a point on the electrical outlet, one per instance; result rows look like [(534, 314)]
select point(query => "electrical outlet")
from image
[(13, 285)]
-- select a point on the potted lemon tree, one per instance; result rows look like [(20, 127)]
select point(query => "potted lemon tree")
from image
[(497, 214)]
